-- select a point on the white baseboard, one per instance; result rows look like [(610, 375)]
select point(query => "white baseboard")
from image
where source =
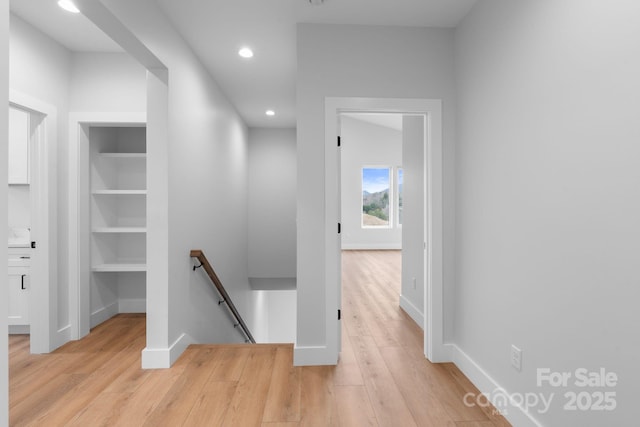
[(63, 336), (19, 329), (371, 246), (103, 314), (313, 356), (516, 415), (412, 311), (132, 305), (161, 358)]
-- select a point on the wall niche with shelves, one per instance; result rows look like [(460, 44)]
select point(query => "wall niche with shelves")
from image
[(118, 187)]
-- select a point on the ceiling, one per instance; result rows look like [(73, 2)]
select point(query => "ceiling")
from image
[(75, 32), (216, 29)]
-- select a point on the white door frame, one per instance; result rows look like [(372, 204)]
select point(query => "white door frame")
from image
[(43, 296), (434, 347), (79, 209)]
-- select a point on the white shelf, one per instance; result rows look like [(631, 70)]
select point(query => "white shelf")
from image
[(119, 230), (119, 192), (119, 267), (124, 155), (117, 227)]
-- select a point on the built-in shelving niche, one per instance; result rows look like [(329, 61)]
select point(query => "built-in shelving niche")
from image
[(118, 177)]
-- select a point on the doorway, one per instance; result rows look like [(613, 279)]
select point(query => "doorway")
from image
[(430, 112), (107, 239), (372, 224), (35, 235)]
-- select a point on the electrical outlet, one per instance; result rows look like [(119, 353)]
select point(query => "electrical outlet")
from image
[(413, 282), (516, 358)]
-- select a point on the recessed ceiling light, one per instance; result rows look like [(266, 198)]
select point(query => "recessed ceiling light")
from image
[(68, 6), (316, 2), (270, 113), (245, 52)]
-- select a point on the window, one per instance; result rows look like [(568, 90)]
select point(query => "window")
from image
[(376, 188), (399, 192)]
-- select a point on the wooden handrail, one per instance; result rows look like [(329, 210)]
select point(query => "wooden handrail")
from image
[(197, 253)]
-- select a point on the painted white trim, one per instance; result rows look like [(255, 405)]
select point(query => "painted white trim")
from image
[(158, 303), (412, 311), (19, 329), (138, 305), (161, 358), (63, 336), (103, 314), (371, 246), (434, 347), (314, 356), (516, 415)]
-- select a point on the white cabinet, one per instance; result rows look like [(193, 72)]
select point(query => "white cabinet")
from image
[(18, 146), (19, 295)]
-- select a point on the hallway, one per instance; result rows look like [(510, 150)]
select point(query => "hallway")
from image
[(382, 358), (381, 379)]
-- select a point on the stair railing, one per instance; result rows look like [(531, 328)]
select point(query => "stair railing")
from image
[(226, 299)]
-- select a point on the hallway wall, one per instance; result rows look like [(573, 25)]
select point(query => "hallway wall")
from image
[(272, 203), (106, 82), (203, 184), (78, 82), (375, 61), (548, 201), (40, 67)]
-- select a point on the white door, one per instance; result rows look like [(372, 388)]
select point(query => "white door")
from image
[(339, 240), (413, 217)]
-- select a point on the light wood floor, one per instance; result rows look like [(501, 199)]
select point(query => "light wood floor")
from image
[(382, 378)]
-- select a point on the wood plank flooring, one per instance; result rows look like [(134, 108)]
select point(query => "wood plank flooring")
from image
[(382, 378)]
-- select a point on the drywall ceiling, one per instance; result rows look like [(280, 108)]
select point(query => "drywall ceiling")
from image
[(216, 29), (73, 31)]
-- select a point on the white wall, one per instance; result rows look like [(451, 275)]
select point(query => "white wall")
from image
[(272, 203), (103, 83), (103, 286), (40, 68), (207, 157), (374, 62), (107, 82), (4, 131), (548, 201), (276, 310), (363, 145), (79, 82)]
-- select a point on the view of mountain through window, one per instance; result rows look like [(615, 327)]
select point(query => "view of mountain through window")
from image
[(376, 183)]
